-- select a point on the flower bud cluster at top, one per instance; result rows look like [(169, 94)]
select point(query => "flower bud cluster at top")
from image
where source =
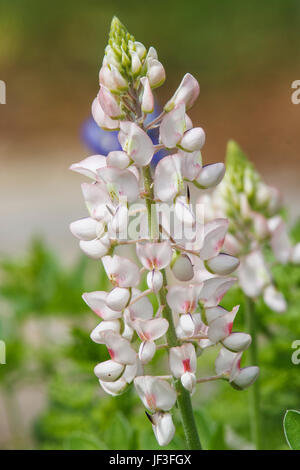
[(253, 210), (189, 318)]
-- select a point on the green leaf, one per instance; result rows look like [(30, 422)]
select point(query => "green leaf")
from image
[(83, 441), (291, 424)]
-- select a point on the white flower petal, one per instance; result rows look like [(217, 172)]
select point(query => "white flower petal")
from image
[(97, 302), (156, 394), (227, 362), (182, 359), (147, 103), (136, 143), (120, 183), (221, 327), (118, 347), (121, 271), (184, 299), (147, 351), (280, 241), (187, 93), (113, 325), (253, 274), (118, 159), (89, 166), (94, 249), (214, 236), (191, 164), (102, 119), (150, 330), (108, 103), (114, 388), (214, 290), (274, 299), (97, 200), (154, 255), (168, 169), (84, 229), (172, 127)]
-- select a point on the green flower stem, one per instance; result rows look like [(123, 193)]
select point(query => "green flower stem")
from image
[(183, 397), (254, 391), (148, 184)]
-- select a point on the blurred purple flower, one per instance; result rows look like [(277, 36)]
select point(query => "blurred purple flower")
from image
[(103, 142)]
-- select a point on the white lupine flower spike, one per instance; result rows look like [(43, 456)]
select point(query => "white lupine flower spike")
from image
[(130, 205), (253, 211)]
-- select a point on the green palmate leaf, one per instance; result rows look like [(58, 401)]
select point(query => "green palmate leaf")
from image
[(291, 425)]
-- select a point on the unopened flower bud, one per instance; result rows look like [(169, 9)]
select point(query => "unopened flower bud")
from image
[(155, 72), (147, 96), (154, 280), (182, 267), (140, 49), (109, 371), (163, 427), (118, 298), (95, 249), (111, 79), (222, 264), (210, 175), (193, 140), (237, 342), (146, 351), (245, 377), (188, 381), (136, 63), (109, 103), (186, 93)]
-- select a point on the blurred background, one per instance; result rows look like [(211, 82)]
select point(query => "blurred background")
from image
[(245, 56)]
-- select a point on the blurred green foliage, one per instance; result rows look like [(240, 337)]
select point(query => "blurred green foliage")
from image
[(78, 415), (64, 38)]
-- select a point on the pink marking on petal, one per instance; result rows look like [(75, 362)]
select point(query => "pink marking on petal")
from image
[(188, 306), (144, 336), (186, 365), (229, 327), (149, 263), (111, 353), (219, 244), (99, 313), (151, 401)]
